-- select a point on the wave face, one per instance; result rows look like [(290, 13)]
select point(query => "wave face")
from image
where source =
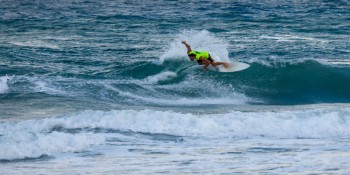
[(180, 83), (173, 80)]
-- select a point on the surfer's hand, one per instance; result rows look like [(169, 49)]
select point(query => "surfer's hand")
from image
[(183, 42)]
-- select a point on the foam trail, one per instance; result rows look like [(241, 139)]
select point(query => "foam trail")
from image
[(198, 40), (160, 77), (183, 101)]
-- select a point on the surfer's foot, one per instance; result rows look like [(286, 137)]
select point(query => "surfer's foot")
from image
[(226, 65)]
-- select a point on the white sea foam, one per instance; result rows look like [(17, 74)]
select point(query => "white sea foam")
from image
[(41, 86), (274, 61), (34, 138), (4, 83), (20, 145), (198, 40), (293, 38), (160, 77), (316, 123), (338, 62), (36, 43)]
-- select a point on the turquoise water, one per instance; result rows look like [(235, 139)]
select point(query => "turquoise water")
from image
[(108, 85)]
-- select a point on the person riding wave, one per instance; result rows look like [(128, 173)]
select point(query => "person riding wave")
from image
[(202, 57)]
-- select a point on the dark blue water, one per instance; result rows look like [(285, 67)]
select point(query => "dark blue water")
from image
[(292, 46), (93, 75)]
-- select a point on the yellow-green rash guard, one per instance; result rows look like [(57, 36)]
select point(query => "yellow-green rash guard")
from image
[(199, 54)]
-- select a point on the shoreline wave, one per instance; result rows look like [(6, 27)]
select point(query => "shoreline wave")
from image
[(77, 132)]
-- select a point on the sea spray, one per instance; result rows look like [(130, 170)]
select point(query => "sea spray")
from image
[(198, 40)]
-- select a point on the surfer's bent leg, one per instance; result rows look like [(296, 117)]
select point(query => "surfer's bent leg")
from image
[(213, 63)]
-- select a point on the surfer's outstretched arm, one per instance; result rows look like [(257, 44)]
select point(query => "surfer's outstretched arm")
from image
[(187, 46)]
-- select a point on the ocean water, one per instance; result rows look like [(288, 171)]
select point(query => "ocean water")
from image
[(106, 87)]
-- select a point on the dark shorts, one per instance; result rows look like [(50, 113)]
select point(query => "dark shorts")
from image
[(209, 58)]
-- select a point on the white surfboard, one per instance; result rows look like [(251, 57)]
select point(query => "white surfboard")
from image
[(234, 67)]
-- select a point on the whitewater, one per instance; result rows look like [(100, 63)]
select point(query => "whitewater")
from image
[(106, 87)]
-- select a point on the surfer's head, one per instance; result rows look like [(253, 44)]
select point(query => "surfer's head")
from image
[(192, 55)]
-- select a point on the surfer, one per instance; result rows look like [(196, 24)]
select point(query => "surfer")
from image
[(202, 57)]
